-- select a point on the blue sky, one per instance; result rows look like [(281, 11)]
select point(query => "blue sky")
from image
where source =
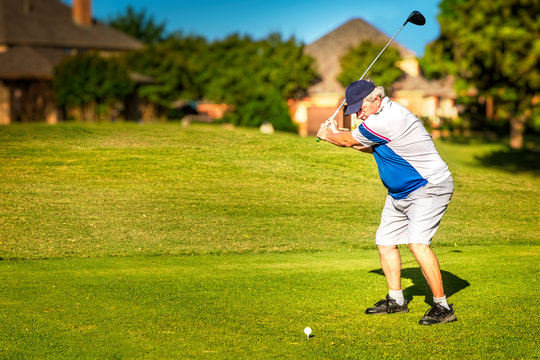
[(306, 20)]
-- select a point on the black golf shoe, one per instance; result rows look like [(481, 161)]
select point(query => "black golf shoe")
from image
[(387, 306), (438, 314)]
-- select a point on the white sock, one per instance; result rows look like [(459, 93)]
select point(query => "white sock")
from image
[(441, 301), (397, 295)]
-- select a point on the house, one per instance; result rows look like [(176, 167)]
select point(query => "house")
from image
[(35, 35), (429, 99)]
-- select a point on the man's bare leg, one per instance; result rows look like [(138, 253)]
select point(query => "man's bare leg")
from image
[(430, 267), (391, 265), (441, 312)]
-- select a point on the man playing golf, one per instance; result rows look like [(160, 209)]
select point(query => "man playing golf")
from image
[(419, 185)]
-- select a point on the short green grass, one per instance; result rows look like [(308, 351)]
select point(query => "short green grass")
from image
[(255, 306), (159, 241)]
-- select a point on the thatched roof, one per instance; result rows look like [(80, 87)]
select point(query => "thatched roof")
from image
[(38, 34), (443, 88), (23, 62), (330, 48), (49, 23)]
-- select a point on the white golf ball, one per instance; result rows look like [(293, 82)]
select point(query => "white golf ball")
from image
[(307, 331)]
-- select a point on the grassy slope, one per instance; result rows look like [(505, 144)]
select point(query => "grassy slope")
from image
[(98, 190), (120, 194)]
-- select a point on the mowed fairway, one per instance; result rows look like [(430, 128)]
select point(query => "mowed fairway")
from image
[(159, 241)]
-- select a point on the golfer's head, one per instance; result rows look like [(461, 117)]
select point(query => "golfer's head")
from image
[(363, 98)]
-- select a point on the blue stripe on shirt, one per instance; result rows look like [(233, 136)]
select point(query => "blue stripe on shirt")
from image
[(397, 175)]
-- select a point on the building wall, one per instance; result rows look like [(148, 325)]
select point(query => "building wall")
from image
[(215, 111), (311, 112), (35, 101), (26, 101), (447, 109), (417, 102), (410, 66), (5, 105)]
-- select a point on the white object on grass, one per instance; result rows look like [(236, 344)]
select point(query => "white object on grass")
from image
[(307, 331), (266, 128)]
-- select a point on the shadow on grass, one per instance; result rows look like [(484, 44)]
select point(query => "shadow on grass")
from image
[(452, 283), (511, 160)]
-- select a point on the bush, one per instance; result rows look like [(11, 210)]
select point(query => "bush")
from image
[(89, 81), (269, 107)]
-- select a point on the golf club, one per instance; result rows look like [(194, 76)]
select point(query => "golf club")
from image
[(414, 17)]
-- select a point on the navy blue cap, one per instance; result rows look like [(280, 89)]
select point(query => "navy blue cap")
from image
[(355, 94)]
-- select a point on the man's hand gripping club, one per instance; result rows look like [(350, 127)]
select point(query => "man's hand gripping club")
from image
[(329, 132), (327, 127)]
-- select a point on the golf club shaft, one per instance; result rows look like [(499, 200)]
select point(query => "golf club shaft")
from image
[(369, 67), (414, 17), (365, 72)]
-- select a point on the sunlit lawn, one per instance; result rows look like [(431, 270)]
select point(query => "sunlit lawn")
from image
[(159, 241)]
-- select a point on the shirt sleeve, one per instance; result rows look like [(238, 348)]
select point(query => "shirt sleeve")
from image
[(367, 137)]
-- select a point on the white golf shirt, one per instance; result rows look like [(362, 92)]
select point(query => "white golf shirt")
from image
[(405, 154)]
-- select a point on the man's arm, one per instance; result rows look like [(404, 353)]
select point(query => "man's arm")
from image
[(362, 148), (342, 139)]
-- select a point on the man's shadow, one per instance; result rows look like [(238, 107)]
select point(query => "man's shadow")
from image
[(452, 283)]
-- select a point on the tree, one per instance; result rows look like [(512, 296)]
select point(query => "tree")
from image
[(176, 64), (90, 82), (493, 47), (257, 78), (139, 25), (355, 62)]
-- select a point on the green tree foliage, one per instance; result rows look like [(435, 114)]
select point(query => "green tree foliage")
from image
[(175, 64), (255, 109), (89, 80), (355, 62), (493, 46), (139, 25), (257, 78)]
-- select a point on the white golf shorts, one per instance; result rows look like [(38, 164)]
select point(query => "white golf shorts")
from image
[(416, 218)]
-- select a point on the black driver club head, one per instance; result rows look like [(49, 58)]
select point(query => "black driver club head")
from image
[(416, 18)]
